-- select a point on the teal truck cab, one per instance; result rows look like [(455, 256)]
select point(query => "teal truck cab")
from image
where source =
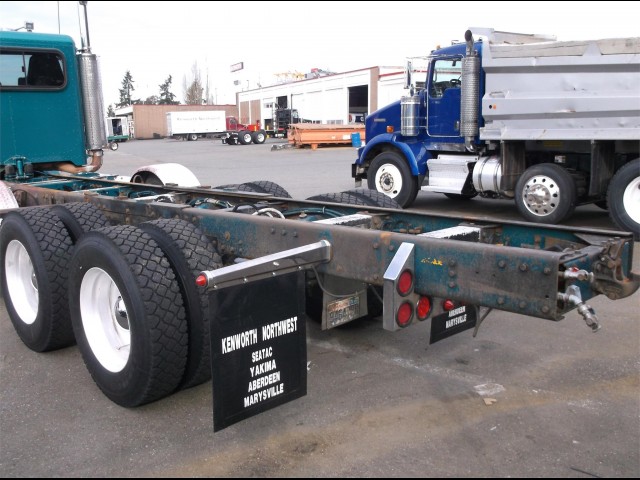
[(51, 105)]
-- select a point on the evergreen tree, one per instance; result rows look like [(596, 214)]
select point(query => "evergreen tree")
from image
[(166, 97), (126, 90), (110, 111)]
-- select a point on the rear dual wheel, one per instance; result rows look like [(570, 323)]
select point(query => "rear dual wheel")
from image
[(189, 253), (35, 250), (127, 294), (259, 137), (128, 315), (244, 137)]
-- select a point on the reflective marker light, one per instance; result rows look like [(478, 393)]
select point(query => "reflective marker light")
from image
[(201, 281), (399, 297), (405, 282), (448, 305), (424, 308), (405, 314)]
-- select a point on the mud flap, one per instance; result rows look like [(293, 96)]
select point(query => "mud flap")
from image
[(453, 322), (258, 347)]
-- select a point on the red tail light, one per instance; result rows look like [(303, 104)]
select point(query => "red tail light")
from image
[(448, 305), (400, 299), (424, 308), (405, 314), (405, 282)]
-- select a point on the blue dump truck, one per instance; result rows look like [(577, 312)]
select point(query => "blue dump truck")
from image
[(164, 284), (548, 124)]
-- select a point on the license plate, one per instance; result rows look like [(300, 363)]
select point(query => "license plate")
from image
[(343, 311)]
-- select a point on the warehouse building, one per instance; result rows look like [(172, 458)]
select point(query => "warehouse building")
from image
[(325, 98)]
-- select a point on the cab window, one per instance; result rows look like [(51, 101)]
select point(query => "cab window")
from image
[(38, 69), (446, 73)]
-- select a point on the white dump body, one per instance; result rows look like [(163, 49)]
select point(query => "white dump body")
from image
[(200, 122), (551, 90)]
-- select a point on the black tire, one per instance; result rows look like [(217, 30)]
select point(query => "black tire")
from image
[(259, 137), (390, 174), (546, 193), (80, 217), (113, 146), (623, 198), (193, 137), (35, 251), (189, 252), (341, 197), (374, 198), (244, 137), (127, 314), (264, 186)]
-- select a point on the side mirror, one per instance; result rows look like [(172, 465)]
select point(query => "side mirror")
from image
[(407, 74)]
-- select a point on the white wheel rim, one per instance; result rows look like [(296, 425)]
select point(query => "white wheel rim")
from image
[(21, 282), (631, 200), (389, 180), (104, 319), (541, 195)]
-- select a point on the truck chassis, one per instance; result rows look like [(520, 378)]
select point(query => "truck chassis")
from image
[(121, 266)]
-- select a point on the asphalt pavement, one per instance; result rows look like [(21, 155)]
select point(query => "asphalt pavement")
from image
[(525, 398)]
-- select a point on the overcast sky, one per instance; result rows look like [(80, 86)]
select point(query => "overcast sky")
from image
[(153, 40)]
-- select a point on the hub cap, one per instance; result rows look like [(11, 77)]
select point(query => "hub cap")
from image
[(541, 195), (105, 320), (21, 282), (389, 180)]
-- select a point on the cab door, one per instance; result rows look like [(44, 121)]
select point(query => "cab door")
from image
[(443, 97)]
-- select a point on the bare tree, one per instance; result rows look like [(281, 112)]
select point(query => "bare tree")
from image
[(193, 90)]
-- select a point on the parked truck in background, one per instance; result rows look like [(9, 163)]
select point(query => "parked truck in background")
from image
[(278, 125), (195, 124), (117, 131), (135, 269), (549, 124)]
